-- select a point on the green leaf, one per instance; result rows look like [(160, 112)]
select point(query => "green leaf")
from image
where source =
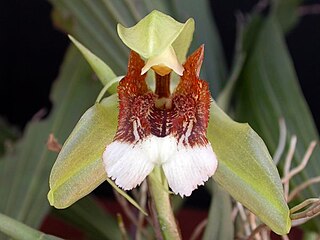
[(103, 71), (155, 33), (19, 231), (25, 171), (246, 37), (246, 170), (269, 90), (79, 168), (286, 12), (94, 25), (220, 225), (89, 216)]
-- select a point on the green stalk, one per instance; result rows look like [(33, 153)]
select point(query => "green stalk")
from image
[(159, 191)]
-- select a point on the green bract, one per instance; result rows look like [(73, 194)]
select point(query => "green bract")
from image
[(159, 32), (103, 71)]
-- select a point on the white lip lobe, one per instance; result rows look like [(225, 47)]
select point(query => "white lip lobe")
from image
[(185, 167)]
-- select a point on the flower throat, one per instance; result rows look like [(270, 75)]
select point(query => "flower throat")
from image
[(162, 90)]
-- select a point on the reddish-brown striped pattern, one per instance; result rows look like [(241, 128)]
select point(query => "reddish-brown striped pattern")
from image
[(192, 102), (186, 120)]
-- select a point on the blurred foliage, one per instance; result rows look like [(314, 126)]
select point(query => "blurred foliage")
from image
[(91, 218), (25, 170), (267, 90), (8, 134)]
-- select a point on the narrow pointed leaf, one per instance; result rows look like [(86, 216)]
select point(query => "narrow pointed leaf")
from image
[(103, 71), (126, 196), (287, 13), (17, 230), (246, 170)]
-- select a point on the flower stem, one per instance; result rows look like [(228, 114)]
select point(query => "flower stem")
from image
[(159, 191)]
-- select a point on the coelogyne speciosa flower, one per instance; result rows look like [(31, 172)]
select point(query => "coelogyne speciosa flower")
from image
[(162, 128)]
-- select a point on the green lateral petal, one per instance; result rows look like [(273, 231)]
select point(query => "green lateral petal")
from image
[(103, 71), (246, 170), (79, 168), (155, 33)]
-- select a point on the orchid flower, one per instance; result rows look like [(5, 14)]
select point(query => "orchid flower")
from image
[(159, 128), (127, 134)]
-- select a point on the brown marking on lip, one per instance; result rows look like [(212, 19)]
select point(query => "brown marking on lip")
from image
[(187, 119)]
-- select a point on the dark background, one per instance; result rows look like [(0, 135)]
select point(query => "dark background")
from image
[(32, 50)]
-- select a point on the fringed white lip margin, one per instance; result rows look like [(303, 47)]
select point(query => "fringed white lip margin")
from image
[(185, 167)]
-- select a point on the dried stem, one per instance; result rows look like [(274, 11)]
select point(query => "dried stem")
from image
[(285, 237), (53, 144), (302, 186), (199, 229), (309, 9), (155, 222), (257, 230), (142, 203), (234, 214), (124, 204), (253, 224), (265, 233), (302, 165), (244, 219), (282, 141), (310, 212), (261, 5), (124, 235), (303, 204), (127, 210), (287, 164)]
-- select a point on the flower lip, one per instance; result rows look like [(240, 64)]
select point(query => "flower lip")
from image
[(185, 168), (172, 135)]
